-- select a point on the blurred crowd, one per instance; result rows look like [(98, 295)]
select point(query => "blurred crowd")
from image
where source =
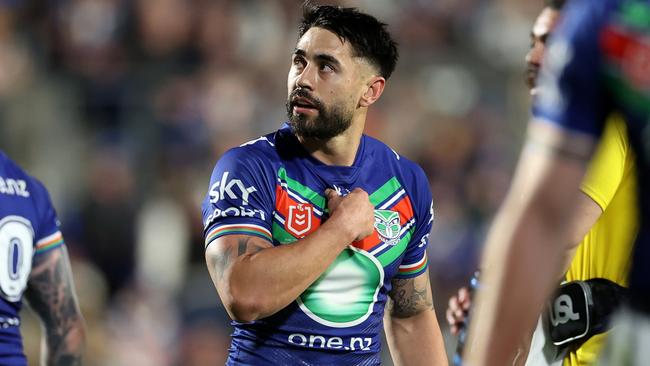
[(122, 107)]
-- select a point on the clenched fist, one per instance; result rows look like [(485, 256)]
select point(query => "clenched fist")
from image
[(353, 213)]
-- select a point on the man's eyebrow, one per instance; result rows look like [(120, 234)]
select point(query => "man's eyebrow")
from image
[(328, 58), (542, 37), (299, 52), (320, 56)]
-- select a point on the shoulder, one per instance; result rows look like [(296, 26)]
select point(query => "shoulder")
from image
[(409, 171), (263, 146), (252, 155), (14, 180)]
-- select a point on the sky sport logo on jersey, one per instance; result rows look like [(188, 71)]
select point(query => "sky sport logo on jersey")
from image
[(388, 227), (231, 190), (225, 187)]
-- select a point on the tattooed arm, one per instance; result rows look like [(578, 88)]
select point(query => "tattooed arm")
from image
[(50, 292), (411, 325), (255, 279)]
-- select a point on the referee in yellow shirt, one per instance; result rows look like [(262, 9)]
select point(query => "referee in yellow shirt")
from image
[(604, 231)]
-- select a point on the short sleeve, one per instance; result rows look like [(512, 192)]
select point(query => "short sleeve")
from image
[(608, 165), (239, 200), (414, 261), (48, 235), (571, 90)]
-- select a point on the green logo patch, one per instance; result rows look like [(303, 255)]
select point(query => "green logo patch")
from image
[(388, 227)]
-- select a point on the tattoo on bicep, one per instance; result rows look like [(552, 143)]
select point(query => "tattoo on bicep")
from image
[(409, 298), (220, 262), (51, 294), (225, 258)]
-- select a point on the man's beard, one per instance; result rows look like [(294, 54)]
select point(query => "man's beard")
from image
[(532, 73), (330, 122)]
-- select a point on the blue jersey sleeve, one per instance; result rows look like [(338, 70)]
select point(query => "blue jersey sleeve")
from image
[(240, 199), (414, 262), (571, 91), (47, 231)]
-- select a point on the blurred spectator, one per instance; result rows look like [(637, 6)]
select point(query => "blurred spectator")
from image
[(103, 230)]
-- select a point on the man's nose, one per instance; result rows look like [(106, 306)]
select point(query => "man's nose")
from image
[(306, 78), (535, 54)]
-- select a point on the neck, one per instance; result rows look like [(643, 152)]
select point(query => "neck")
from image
[(340, 150)]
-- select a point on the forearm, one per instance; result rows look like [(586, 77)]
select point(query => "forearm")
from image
[(506, 316), (51, 294), (257, 284), (64, 349), (416, 340), (524, 258)]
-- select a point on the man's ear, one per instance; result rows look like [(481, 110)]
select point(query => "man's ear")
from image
[(374, 89)]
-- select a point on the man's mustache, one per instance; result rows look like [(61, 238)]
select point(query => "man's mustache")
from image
[(304, 94), (532, 71)]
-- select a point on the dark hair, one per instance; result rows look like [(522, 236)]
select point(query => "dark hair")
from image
[(555, 4), (367, 35)]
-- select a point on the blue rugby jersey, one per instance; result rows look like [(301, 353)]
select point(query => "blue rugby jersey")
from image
[(272, 188), (598, 62), (28, 227)]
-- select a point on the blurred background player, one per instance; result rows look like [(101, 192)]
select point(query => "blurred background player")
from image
[(35, 267), (311, 229), (596, 64), (606, 212)]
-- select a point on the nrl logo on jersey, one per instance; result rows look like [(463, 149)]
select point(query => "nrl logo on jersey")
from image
[(299, 220), (388, 226)]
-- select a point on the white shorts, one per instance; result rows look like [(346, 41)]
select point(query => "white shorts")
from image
[(629, 343), (542, 351)]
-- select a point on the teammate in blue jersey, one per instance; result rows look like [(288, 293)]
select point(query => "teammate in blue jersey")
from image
[(597, 63), (309, 231), (34, 266)]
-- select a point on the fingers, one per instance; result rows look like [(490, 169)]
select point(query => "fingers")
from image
[(330, 193), (458, 309), (451, 320), (454, 329), (464, 298), (454, 324), (333, 199)]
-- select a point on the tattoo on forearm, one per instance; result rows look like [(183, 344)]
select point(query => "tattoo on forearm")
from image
[(50, 293), (245, 247), (409, 298)]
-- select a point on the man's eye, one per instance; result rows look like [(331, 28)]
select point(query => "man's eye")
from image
[(326, 68)]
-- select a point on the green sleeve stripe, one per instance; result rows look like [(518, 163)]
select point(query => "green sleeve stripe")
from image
[(50, 246), (239, 231)]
